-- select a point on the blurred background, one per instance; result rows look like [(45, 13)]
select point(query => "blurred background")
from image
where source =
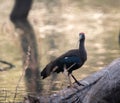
[(56, 25)]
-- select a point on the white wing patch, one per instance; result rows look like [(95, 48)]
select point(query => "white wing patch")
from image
[(66, 58)]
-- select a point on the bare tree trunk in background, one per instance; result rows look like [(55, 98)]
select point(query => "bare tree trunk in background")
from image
[(27, 37)]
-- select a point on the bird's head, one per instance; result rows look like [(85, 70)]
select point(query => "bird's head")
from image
[(82, 36)]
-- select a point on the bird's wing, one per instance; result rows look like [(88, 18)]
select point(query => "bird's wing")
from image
[(70, 57), (70, 60), (66, 58)]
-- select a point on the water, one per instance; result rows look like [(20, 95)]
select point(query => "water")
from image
[(57, 24)]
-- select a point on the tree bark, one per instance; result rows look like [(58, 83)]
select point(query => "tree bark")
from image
[(20, 10), (100, 87), (27, 38)]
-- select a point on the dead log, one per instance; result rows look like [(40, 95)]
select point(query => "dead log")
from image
[(100, 87)]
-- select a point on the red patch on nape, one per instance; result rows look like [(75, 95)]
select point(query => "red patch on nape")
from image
[(81, 33)]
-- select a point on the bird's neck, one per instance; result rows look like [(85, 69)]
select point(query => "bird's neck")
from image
[(82, 51), (82, 45)]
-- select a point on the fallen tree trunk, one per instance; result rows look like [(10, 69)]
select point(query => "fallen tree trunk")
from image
[(100, 87)]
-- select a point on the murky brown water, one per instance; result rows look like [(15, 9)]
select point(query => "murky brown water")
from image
[(57, 24)]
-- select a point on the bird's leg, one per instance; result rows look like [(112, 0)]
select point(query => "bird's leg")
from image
[(70, 67), (70, 82), (76, 80), (73, 75), (55, 68), (67, 76)]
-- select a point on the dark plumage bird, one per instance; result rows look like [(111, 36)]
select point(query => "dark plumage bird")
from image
[(71, 60)]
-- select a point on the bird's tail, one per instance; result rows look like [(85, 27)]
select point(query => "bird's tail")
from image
[(45, 73)]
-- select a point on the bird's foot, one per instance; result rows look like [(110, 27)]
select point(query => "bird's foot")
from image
[(76, 81), (73, 86), (80, 84)]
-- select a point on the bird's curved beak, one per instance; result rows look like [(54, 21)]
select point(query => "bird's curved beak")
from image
[(80, 37)]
